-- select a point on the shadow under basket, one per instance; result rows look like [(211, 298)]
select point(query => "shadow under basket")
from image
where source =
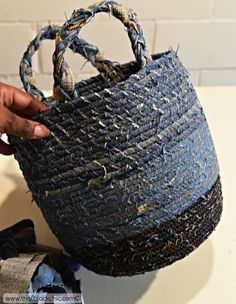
[(128, 180)]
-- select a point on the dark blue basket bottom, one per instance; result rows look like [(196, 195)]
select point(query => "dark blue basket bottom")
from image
[(167, 243)]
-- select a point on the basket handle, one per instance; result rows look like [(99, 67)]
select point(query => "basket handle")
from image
[(88, 51), (70, 30)]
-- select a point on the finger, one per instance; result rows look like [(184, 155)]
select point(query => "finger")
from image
[(12, 124), (5, 148), (19, 101)]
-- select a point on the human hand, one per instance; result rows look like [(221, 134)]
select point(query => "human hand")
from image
[(16, 107)]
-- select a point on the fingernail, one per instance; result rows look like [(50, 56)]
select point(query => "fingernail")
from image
[(40, 131)]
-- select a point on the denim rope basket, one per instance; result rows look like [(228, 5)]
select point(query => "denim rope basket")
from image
[(128, 180)]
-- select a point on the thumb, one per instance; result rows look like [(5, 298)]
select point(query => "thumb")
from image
[(12, 124)]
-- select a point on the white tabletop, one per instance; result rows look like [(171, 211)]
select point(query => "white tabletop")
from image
[(206, 276)]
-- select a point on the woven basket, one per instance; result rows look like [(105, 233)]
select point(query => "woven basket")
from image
[(128, 180)]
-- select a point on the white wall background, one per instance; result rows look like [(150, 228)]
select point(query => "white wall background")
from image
[(205, 31)]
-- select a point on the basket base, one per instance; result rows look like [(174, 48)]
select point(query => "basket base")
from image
[(157, 247)]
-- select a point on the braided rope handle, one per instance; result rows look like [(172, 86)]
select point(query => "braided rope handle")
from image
[(88, 51), (70, 30)]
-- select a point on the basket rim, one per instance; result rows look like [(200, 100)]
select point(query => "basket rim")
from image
[(158, 58)]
